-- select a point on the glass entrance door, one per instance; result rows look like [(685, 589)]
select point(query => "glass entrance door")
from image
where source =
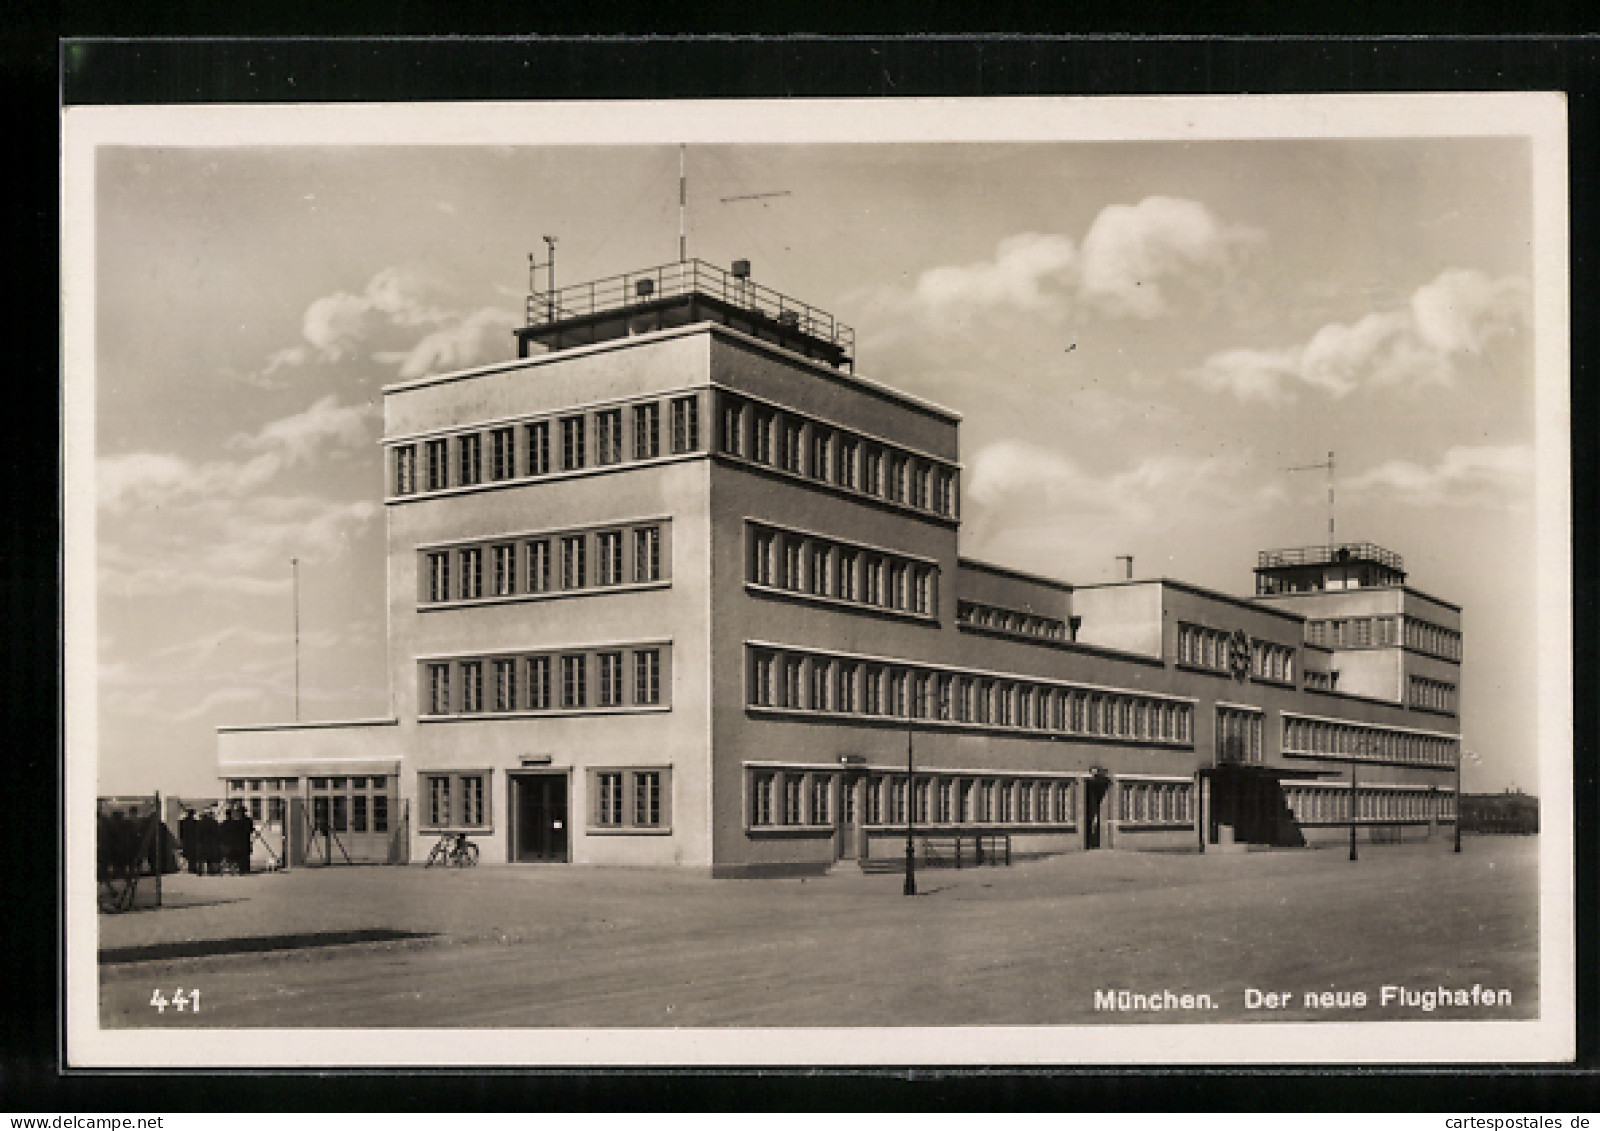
[(539, 802)]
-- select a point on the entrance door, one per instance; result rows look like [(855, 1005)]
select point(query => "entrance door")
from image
[(539, 802), (1094, 803), (849, 818)]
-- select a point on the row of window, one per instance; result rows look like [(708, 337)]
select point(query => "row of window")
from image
[(454, 800), (1433, 639), (1156, 803), (822, 567), (553, 562), (805, 681), (347, 804), (1354, 632), (620, 677), (1433, 694), (1321, 681), (596, 438), (1009, 620), (801, 446), (1315, 805), (821, 799), (1374, 744), (1238, 736), (1220, 650)]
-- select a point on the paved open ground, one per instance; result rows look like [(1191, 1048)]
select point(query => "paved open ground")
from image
[(1031, 944)]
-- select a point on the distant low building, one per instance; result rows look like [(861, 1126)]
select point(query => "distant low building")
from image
[(1509, 812)]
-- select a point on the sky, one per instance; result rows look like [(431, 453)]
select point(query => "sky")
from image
[(1142, 337)]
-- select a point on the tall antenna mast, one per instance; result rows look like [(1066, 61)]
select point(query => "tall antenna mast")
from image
[(294, 564), (1332, 541), (683, 201), (550, 276)]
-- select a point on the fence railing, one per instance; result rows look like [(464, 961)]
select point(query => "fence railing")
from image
[(694, 276), (1327, 555)]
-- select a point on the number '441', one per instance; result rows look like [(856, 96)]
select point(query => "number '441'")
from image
[(180, 1000)]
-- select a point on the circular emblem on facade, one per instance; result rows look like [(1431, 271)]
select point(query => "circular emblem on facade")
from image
[(1239, 654)]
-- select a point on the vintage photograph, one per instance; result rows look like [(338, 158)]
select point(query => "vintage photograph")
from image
[(999, 581)]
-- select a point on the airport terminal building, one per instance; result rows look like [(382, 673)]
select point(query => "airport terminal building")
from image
[(677, 587)]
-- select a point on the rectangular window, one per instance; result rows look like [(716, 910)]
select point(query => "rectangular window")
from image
[(608, 799), (358, 813), (574, 568), (539, 448), (874, 582), (539, 698), (821, 685), (792, 795), (733, 427), (471, 450), (438, 464), (539, 566), (439, 577), (405, 470), (647, 676), (821, 794), (761, 677), (503, 453), (573, 449), (472, 573), (685, 425), (472, 686), (647, 799), (646, 431), (608, 436), (472, 806), (919, 486), (821, 451), (847, 576), (923, 590), (763, 545), (440, 815), (504, 566), (761, 437), (849, 450), (872, 471), (610, 679), (505, 685), (574, 681), (790, 456), (438, 689), (647, 553), (792, 682), (793, 549), (872, 691), (821, 570), (899, 592), (847, 687), (761, 789), (608, 555)]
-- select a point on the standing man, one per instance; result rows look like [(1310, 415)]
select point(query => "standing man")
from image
[(210, 837), (189, 840), (247, 830)]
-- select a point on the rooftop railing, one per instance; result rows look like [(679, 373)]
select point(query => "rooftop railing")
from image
[(694, 276), (1330, 555)]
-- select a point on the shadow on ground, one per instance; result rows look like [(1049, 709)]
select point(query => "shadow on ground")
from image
[(203, 948)]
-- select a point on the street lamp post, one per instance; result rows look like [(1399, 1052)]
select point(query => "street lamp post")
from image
[(1459, 755), (911, 814)]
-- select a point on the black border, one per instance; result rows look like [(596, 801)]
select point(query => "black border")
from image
[(146, 70)]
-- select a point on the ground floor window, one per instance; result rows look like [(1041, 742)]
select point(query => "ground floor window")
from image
[(1156, 802), (803, 797), (630, 798), (457, 800)]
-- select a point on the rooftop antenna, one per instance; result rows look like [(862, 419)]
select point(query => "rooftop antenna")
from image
[(1328, 466), (683, 202), (550, 286)]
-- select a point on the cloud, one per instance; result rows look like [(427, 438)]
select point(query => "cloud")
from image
[(1131, 263), (455, 346), (337, 326), (151, 479), (1130, 252), (1489, 474), (1426, 343)]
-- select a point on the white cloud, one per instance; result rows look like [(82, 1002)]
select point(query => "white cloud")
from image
[(336, 326), (151, 479), (1420, 345), (1131, 252), (1132, 261), (455, 346), (1489, 474)]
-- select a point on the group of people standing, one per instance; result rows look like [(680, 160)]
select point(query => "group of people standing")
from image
[(210, 845)]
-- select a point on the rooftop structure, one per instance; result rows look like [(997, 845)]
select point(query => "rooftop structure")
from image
[(1307, 569), (680, 294)]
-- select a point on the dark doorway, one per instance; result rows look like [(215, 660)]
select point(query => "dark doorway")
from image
[(1094, 803), (849, 842), (539, 818)]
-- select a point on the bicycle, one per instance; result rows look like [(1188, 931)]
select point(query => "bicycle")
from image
[(453, 850)]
